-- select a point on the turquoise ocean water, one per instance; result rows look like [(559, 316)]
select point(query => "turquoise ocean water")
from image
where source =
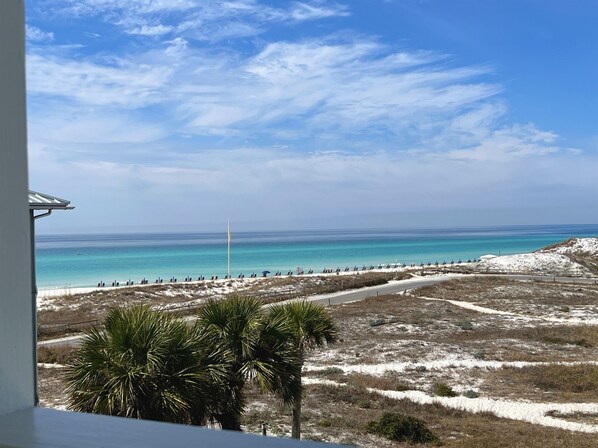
[(84, 260)]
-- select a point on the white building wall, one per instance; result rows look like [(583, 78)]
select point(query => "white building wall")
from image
[(16, 328)]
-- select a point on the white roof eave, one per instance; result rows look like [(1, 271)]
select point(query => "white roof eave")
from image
[(42, 201)]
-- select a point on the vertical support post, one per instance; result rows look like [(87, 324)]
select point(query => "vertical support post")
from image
[(33, 303), (17, 377)]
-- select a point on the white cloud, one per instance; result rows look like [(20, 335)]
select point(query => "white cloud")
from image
[(98, 7), (350, 86), (313, 127), (121, 83), (213, 32), (212, 21), (35, 34), (270, 184), (509, 144), (112, 128), (305, 11), (147, 30), (303, 90)]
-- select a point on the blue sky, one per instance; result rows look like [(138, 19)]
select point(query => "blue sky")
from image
[(176, 115)]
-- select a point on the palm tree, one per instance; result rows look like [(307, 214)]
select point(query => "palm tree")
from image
[(143, 364), (253, 347), (311, 326)]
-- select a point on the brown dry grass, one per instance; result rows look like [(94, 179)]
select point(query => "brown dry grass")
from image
[(578, 417), (388, 381), (339, 414), (576, 383), (416, 329), (512, 295), (422, 322), (55, 355), (77, 312), (51, 387)]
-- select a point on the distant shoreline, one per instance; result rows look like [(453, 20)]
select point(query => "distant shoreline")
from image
[(81, 262), (55, 292)]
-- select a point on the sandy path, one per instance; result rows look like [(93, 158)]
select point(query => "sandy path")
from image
[(516, 410), (380, 369), (484, 310)]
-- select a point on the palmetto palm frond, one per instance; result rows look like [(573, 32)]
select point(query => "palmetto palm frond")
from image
[(142, 364), (253, 345), (310, 323), (311, 326)]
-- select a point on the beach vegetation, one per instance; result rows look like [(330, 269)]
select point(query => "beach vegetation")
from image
[(401, 428), (253, 346), (576, 380), (465, 325), (471, 394), (55, 355), (443, 390), (311, 327), (388, 381), (479, 355), (559, 370), (143, 364)]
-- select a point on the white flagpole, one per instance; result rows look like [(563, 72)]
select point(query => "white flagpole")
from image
[(228, 238)]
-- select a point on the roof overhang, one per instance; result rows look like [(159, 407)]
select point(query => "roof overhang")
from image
[(42, 201)]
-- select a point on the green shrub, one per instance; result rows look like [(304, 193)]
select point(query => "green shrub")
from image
[(364, 404), (325, 423), (466, 325), (471, 394), (581, 342), (402, 428), (377, 322), (443, 390), (479, 354)]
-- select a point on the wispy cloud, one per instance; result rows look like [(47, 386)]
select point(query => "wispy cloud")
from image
[(149, 30), (509, 144), (273, 184), (212, 21), (341, 92), (35, 34), (306, 11), (117, 82), (182, 113)]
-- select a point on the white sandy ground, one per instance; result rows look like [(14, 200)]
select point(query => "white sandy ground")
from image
[(45, 365), (480, 309), (534, 263), (516, 410), (45, 298), (220, 283), (52, 292), (217, 287), (440, 364), (576, 246), (545, 261)]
